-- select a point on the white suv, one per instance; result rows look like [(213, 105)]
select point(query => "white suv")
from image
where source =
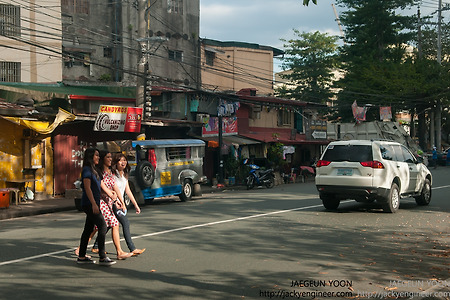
[(371, 170)]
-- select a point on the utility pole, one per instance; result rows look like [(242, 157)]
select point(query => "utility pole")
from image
[(142, 60), (438, 115)]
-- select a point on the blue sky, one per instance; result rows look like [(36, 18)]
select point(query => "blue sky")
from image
[(265, 22)]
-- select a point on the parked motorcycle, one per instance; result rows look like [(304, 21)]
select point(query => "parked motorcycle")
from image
[(258, 177)]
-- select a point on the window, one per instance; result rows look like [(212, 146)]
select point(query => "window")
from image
[(107, 52), (75, 6), (352, 153), (398, 153), (210, 56), (284, 118), (10, 71), (76, 59), (387, 152), (176, 55), (175, 6), (178, 153), (408, 157), (9, 20)]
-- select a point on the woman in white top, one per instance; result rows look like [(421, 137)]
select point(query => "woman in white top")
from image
[(121, 168)]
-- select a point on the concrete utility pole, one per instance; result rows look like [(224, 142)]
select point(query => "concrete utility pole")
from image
[(142, 32), (438, 115)]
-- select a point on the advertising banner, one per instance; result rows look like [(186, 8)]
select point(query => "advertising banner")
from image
[(118, 118), (211, 126)]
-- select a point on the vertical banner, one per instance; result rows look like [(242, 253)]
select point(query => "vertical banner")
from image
[(359, 113), (118, 118), (385, 113)]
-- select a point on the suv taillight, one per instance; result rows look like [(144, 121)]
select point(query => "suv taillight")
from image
[(374, 164), (322, 163)]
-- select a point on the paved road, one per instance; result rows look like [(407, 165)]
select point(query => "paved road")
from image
[(257, 244)]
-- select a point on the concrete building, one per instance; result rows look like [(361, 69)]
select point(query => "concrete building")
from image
[(232, 66), (30, 35)]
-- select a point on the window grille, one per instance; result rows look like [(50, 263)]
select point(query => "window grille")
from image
[(210, 56), (176, 55), (9, 71), (178, 153), (75, 6), (175, 6), (9, 20)]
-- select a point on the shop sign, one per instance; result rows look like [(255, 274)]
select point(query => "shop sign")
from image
[(118, 119)]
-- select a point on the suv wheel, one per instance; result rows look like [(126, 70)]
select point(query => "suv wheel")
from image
[(329, 202), (425, 194), (393, 200)]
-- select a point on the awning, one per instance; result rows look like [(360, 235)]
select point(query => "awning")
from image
[(283, 137), (231, 139), (41, 126), (240, 140), (42, 92)]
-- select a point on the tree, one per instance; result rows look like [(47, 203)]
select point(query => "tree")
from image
[(310, 61), (381, 69), (306, 2), (376, 37)]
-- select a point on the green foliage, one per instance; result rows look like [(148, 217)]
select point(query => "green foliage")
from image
[(378, 68), (231, 166), (306, 2), (310, 60), (275, 155), (105, 77)]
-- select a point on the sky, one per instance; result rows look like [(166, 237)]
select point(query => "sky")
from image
[(265, 22)]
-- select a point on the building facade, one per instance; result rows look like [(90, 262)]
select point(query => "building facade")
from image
[(30, 35)]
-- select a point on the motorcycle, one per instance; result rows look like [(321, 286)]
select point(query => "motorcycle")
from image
[(258, 177)]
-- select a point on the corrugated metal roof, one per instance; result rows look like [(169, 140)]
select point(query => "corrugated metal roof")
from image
[(11, 109)]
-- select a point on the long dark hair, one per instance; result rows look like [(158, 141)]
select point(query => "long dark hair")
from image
[(116, 159), (102, 154), (88, 161)]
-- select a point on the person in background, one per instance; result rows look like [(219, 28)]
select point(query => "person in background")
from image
[(434, 157), (121, 169), (90, 203), (109, 199), (448, 157)]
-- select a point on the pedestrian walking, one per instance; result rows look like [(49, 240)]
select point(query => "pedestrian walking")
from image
[(434, 157), (109, 199), (121, 169), (90, 203)]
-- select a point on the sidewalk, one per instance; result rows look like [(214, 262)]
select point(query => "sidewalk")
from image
[(38, 207)]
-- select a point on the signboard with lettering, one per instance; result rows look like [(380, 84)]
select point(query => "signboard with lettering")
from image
[(118, 118), (316, 129)]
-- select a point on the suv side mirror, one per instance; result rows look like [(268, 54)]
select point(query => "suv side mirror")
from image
[(419, 160)]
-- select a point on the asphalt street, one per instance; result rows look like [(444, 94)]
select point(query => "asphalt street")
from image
[(275, 243)]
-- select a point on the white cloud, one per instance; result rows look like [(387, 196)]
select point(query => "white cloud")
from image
[(263, 22)]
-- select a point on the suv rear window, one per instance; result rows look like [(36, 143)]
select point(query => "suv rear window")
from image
[(353, 153)]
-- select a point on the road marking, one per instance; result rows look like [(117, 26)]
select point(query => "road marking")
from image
[(185, 228), (169, 231), (440, 187)]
